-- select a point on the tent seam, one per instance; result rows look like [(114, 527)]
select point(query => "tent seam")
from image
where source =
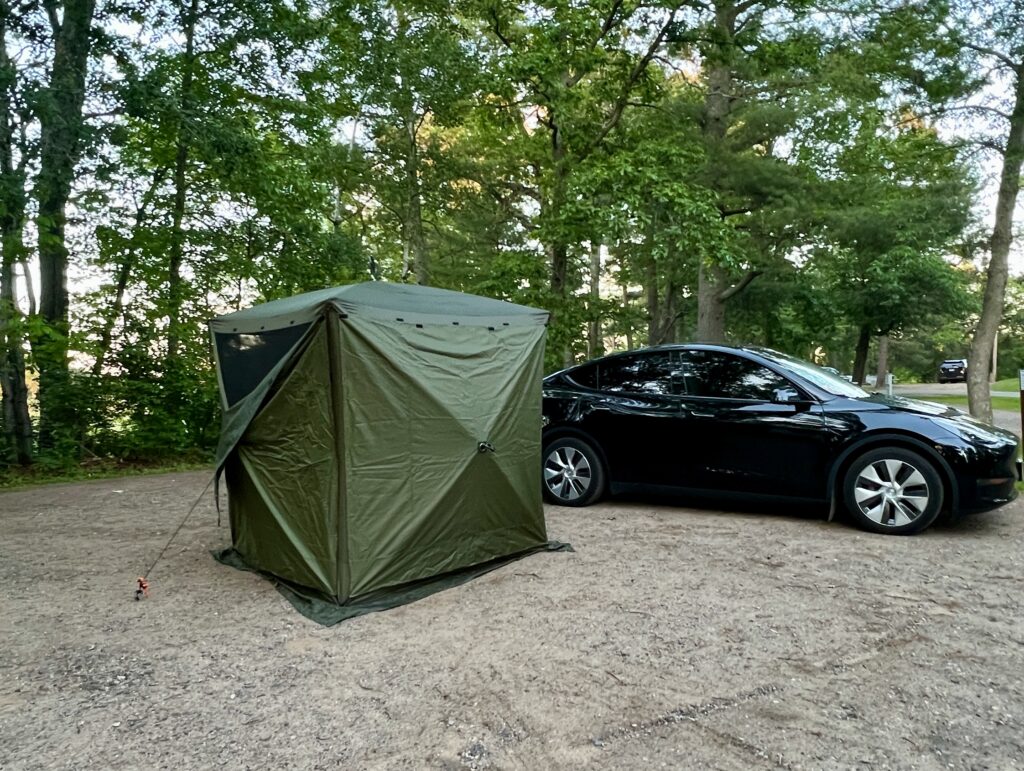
[(343, 579)]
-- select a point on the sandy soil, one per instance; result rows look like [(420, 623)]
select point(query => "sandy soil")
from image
[(672, 637)]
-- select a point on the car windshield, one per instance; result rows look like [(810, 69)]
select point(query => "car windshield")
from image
[(826, 381)]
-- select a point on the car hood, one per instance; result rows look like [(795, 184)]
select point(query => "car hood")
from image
[(932, 410), (903, 404)]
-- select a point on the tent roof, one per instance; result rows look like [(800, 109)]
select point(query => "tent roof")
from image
[(383, 300)]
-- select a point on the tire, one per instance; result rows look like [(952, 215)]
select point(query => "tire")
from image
[(585, 481), (904, 508)]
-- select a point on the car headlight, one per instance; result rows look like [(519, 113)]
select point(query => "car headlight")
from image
[(971, 431)]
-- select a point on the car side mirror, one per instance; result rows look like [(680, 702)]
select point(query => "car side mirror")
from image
[(786, 396)]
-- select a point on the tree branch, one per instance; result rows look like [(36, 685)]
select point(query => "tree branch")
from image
[(991, 144), (993, 53), (638, 70), (51, 15), (608, 25), (741, 8), (103, 114), (496, 28), (737, 288), (724, 213), (609, 22)]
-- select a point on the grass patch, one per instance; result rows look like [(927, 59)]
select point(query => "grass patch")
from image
[(998, 402), (1010, 384), (13, 478)]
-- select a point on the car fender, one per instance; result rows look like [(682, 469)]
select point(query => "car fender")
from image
[(880, 438)]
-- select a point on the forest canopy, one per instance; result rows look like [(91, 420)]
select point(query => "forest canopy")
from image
[(803, 175)]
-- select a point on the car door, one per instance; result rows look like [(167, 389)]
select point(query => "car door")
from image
[(637, 418), (754, 431)]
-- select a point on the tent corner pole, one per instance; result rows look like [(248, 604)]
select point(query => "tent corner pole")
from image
[(342, 576)]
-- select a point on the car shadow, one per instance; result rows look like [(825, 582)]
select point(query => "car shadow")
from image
[(717, 503), (981, 524)]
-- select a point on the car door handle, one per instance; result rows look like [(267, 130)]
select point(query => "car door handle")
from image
[(702, 414)]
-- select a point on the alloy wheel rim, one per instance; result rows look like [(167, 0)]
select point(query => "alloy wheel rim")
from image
[(567, 473), (891, 492)]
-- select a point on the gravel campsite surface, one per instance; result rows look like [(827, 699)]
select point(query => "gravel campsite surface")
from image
[(673, 637)]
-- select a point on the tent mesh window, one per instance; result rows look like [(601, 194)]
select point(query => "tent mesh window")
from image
[(245, 359)]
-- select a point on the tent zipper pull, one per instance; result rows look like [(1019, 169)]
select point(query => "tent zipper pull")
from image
[(485, 447)]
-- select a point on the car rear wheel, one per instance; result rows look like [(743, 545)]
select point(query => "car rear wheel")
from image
[(893, 491), (573, 473)]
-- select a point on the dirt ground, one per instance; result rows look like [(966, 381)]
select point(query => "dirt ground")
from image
[(673, 637)]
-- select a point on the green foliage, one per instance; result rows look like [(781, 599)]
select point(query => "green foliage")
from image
[(496, 148)]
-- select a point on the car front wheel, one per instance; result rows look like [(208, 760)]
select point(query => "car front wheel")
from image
[(573, 473), (893, 491)]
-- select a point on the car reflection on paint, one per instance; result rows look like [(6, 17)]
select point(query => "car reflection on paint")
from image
[(756, 423)]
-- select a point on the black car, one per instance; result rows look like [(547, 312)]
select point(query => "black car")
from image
[(754, 422), (953, 371)]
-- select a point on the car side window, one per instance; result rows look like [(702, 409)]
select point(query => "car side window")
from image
[(645, 373), (585, 375), (724, 376)]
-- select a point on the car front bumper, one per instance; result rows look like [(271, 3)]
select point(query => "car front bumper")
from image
[(986, 478)]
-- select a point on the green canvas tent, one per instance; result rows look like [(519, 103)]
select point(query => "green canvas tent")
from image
[(379, 435)]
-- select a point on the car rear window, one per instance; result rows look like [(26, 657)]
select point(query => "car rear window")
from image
[(643, 373)]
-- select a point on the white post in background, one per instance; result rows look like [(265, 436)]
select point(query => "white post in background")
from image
[(888, 383), (995, 359), (1020, 461)]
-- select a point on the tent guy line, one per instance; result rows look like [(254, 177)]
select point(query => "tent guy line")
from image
[(142, 582)]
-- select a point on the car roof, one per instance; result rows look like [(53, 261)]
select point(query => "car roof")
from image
[(747, 349), (757, 353), (760, 354)]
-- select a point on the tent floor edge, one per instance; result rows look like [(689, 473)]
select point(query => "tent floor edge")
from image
[(328, 611)]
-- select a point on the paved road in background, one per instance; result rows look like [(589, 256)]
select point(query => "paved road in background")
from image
[(940, 389)]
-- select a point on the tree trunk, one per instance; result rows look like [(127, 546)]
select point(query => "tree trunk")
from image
[(652, 300), (710, 308), (980, 359), (17, 424), (629, 326), (414, 248), (595, 347), (860, 359), (16, 441), (715, 122), (557, 248), (667, 332), (30, 290), (175, 285), (994, 372), (883, 362), (414, 206), (60, 129)]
